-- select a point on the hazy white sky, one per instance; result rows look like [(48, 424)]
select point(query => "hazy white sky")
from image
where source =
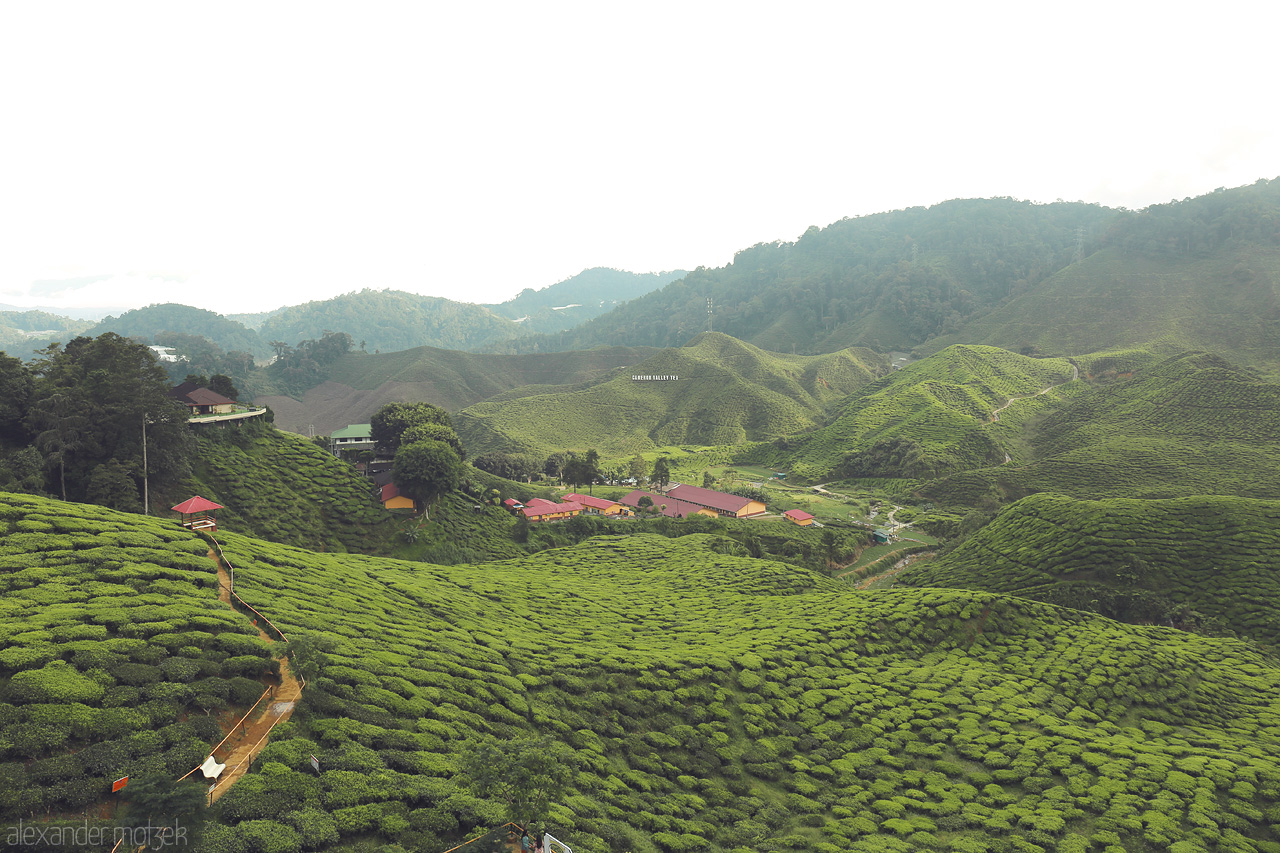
[(243, 156)]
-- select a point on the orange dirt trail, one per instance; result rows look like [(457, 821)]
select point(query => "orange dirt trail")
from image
[(241, 748)]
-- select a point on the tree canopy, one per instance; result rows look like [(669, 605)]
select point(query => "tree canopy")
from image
[(425, 470), (390, 423)]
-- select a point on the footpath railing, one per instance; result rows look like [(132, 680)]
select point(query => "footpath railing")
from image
[(241, 724)]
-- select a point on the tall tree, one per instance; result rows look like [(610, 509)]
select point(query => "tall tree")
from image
[(389, 424), (527, 774), (426, 469), (90, 400), (15, 396), (638, 469), (662, 471)]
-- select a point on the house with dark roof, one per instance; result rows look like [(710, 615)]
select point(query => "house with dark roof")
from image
[(393, 498), (733, 506), (668, 506), (205, 406), (201, 401)]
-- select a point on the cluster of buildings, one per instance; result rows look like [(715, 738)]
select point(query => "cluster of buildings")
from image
[(680, 501)]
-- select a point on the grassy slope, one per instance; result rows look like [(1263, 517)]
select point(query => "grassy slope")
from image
[(1226, 301), (1189, 425), (282, 487), (359, 383), (943, 403), (112, 648), (728, 392), (719, 703), (1147, 561)]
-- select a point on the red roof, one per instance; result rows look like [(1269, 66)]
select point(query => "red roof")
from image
[(540, 502), (511, 503), (196, 504), (797, 515), (674, 508), (544, 507), (389, 491), (590, 500), (708, 498)]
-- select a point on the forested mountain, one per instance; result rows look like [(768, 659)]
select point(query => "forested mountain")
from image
[(888, 281), (23, 332), (1203, 273), (575, 300), (715, 391), (157, 320), (391, 320)]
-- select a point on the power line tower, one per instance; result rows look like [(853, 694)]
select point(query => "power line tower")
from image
[(709, 313), (1079, 244)]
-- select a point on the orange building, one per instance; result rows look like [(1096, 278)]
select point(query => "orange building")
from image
[(541, 509), (596, 506), (798, 516)]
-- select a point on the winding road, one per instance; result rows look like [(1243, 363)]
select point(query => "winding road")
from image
[(995, 415)]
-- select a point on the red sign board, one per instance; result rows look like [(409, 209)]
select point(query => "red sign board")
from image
[(119, 783)]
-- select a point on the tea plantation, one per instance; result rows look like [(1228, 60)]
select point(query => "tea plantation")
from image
[(707, 701), (1204, 561), (1192, 424), (115, 654), (937, 410)]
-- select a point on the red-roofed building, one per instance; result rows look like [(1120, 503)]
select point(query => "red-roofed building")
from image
[(668, 506), (798, 516), (393, 499), (734, 506), (198, 514), (596, 506), (541, 509), (511, 505)]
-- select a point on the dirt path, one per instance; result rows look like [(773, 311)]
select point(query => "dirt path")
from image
[(243, 746), (995, 415), (897, 569)]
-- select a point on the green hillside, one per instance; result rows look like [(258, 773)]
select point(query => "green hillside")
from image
[(1189, 561), (1228, 301), (146, 323), (701, 701), (1203, 273), (390, 320), (115, 656), (1190, 425), (358, 383), (932, 417), (282, 487), (723, 392)]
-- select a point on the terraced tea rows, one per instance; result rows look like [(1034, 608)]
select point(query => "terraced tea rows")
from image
[(1186, 560)]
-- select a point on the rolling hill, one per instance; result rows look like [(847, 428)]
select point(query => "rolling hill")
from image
[(146, 323), (23, 332), (391, 320), (1193, 424), (575, 300), (716, 390), (360, 383), (932, 417), (700, 701), (1187, 561)]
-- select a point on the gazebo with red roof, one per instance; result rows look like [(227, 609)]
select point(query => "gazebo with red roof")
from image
[(197, 514)]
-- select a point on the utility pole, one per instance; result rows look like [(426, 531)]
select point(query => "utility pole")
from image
[(709, 307), (146, 486)]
